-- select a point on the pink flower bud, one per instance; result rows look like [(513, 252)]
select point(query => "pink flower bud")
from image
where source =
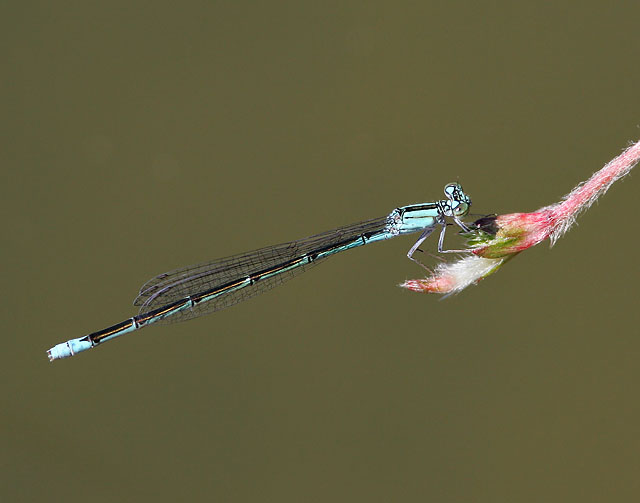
[(498, 238)]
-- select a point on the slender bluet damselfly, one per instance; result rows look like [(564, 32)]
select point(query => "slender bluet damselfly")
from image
[(193, 291)]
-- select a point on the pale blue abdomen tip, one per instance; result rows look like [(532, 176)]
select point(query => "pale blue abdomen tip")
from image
[(69, 348)]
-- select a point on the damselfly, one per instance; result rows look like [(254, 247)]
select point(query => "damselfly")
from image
[(193, 291)]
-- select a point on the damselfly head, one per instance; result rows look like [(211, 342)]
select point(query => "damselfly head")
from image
[(458, 202)]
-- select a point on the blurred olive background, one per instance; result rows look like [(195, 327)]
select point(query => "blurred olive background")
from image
[(140, 137)]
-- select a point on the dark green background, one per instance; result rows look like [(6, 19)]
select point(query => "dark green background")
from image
[(140, 138)]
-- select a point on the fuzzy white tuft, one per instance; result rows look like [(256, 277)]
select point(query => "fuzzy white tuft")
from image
[(466, 271)]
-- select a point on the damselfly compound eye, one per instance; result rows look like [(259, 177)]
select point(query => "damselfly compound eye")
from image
[(461, 209)]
